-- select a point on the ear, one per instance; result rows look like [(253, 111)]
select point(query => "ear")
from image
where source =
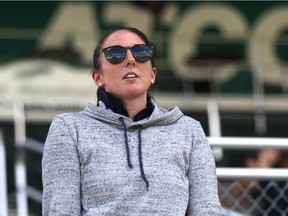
[(96, 76), (153, 74)]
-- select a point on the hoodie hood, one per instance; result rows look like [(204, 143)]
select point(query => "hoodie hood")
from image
[(159, 116)]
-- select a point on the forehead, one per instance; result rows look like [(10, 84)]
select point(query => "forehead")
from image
[(123, 38)]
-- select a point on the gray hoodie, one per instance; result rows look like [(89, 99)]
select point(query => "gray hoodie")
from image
[(97, 162)]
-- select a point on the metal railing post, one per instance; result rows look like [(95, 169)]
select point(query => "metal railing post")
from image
[(20, 168), (3, 181), (258, 90), (214, 126)]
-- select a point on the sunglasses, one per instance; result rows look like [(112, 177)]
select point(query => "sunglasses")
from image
[(117, 54)]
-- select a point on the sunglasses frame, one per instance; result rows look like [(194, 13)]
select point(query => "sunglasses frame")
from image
[(151, 47)]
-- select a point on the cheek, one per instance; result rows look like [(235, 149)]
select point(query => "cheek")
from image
[(110, 73), (150, 73)]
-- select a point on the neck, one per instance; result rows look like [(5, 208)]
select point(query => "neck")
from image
[(135, 106)]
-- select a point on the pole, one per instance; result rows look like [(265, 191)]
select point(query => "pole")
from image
[(20, 168), (214, 126), (3, 183)]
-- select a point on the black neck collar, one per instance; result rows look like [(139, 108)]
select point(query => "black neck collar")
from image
[(116, 105)]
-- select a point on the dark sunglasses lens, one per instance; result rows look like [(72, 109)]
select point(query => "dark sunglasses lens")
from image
[(115, 54), (143, 52)]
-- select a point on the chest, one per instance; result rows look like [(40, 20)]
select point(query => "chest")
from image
[(103, 153)]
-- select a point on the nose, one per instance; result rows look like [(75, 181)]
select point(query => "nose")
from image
[(130, 60)]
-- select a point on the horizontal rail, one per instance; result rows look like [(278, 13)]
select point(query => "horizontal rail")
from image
[(34, 194), (34, 145), (252, 173), (248, 143)]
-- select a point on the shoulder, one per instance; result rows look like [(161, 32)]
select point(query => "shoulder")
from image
[(73, 117), (66, 117), (192, 126), (71, 121), (188, 120)]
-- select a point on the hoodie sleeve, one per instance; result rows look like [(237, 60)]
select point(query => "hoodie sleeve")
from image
[(60, 172), (203, 186)]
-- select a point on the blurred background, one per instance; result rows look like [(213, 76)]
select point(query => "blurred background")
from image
[(231, 55)]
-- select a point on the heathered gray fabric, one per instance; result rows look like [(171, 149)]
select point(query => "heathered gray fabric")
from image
[(85, 171)]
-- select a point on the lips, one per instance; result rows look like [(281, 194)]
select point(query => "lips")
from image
[(130, 75)]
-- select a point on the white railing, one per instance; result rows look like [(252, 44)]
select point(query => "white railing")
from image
[(23, 190), (250, 143), (252, 173), (3, 180), (22, 143), (20, 167)]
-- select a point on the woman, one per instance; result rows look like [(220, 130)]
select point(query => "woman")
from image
[(126, 155)]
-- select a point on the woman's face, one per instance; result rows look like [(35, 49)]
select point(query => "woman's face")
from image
[(129, 79)]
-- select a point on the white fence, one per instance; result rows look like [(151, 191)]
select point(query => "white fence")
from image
[(252, 191), (22, 143), (246, 143)]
